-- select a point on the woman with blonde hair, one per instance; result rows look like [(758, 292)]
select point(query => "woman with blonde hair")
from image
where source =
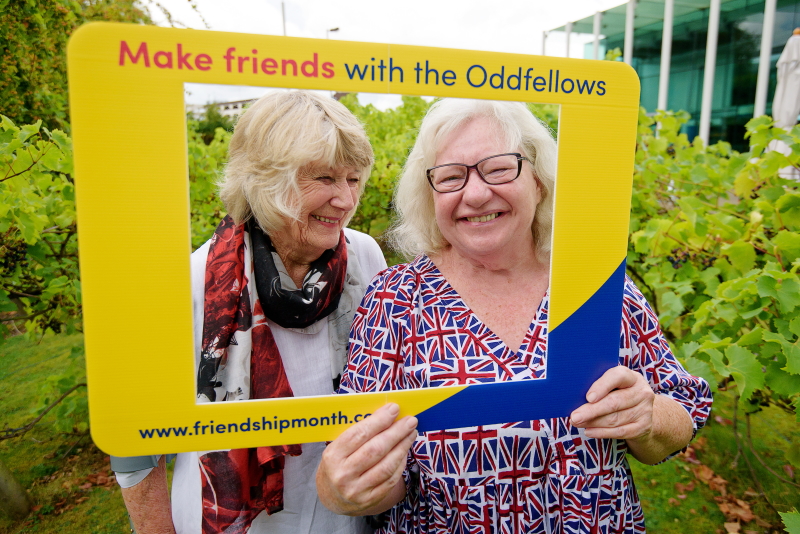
[(475, 206), (275, 290)]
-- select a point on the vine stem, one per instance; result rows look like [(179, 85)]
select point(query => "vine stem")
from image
[(32, 165), (757, 457), (16, 432), (658, 236), (723, 210), (74, 445), (746, 459)]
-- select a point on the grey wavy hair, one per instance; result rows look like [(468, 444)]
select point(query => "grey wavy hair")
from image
[(415, 230), (274, 138)]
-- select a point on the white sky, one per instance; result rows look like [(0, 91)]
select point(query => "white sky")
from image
[(513, 26)]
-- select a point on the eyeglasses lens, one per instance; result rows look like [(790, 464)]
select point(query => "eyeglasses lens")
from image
[(494, 170)]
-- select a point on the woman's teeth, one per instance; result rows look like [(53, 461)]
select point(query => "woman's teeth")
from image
[(324, 219), (483, 218)]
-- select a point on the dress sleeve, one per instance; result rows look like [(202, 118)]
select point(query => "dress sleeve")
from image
[(376, 351), (643, 348)]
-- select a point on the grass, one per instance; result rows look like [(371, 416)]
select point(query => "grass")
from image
[(64, 472), (773, 432), (59, 470)]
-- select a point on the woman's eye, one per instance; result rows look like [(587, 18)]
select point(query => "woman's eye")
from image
[(497, 170), (353, 181), (450, 178), (326, 179)]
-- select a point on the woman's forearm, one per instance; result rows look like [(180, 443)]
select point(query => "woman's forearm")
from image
[(148, 502), (671, 431)]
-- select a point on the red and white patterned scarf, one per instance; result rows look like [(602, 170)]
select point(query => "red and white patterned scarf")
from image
[(240, 360)]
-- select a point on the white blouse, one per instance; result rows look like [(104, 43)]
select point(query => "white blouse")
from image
[(306, 357)]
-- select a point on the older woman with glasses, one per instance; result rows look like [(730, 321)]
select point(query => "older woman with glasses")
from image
[(475, 205)]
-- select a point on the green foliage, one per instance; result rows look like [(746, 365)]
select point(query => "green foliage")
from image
[(615, 54), (39, 282), (548, 114), (206, 163), (392, 134), (33, 40), (207, 125), (792, 522), (715, 242)]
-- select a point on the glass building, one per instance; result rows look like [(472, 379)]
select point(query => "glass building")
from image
[(739, 48)]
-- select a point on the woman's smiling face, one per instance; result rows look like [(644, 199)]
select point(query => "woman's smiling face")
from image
[(482, 220), (328, 197)]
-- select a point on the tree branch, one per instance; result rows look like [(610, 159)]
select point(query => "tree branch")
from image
[(9, 433), (34, 162), (14, 293), (72, 229)]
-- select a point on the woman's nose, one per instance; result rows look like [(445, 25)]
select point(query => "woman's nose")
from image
[(476, 191), (344, 196)]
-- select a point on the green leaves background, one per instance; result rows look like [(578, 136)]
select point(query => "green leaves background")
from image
[(714, 238), (714, 245)]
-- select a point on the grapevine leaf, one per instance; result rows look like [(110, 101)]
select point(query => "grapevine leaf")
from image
[(5, 303), (741, 255), (756, 124), (780, 381), (743, 184), (710, 278), (8, 124), (794, 326), (687, 349), (749, 314), (745, 370), (714, 343), (773, 193), (671, 307), (789, 295), (772, 337), (766, 287), (793, 359), (11, 147), (788, 244), (61, 139), (28, 228), (51, 158), (737, 288), (726, 269), (717, 361), (791, 520), (727, 312), (789, 207), (699, 174), (751, 338), (22, 162), (28, 130)]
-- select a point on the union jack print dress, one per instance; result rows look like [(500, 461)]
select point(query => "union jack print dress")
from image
[(414, 331)]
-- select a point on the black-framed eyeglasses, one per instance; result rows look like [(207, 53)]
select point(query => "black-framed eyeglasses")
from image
[(494, 170)]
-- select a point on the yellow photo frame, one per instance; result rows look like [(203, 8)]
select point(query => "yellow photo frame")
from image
[(129, 134)]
